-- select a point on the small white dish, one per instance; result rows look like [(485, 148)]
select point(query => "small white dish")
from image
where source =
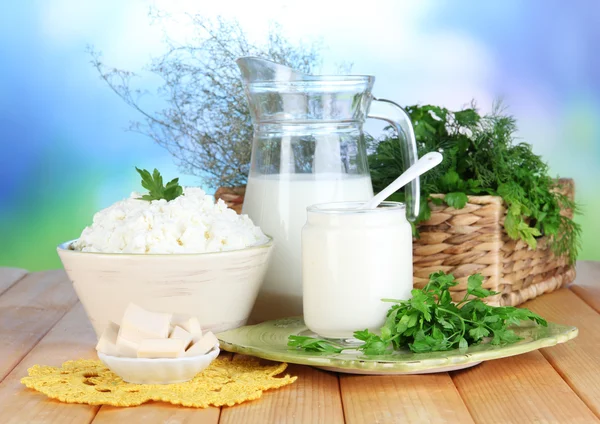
[(158, 370)]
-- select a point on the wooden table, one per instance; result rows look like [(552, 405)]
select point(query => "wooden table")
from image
[(41, 322)]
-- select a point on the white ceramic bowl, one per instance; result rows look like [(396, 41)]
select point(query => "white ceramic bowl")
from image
[(158, 370), (218, 288)]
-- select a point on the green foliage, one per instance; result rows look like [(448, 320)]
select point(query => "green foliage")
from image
[(481, 157), (431, 321), (457, 200), (156, 190)]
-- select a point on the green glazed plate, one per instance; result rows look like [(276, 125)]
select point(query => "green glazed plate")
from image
[(268, 340)]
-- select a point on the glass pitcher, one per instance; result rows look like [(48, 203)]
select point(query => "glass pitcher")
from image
[(308, 147)]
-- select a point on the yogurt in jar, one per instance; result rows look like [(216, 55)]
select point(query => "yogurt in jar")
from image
[(351, 259)]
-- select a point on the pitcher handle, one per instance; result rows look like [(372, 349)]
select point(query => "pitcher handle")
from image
[(394, 114)]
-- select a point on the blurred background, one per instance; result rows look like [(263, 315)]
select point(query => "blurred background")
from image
[(65, 152)]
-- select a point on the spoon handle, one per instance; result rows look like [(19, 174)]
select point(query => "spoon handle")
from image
[(428, 161)]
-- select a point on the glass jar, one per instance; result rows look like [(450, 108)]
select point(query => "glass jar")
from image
[(351, 260)]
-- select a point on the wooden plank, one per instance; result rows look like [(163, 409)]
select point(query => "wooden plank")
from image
[(313, 398), (520, 389), (28, 310), (402, 399), (9, 276), (158, 412), (72, 338), (578, 361), (587, 283), (589, 294)]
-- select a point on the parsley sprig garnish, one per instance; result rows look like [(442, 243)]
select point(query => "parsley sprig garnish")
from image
[(431, 321), (154, 184)]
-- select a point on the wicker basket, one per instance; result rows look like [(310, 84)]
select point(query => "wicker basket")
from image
[(232, 196), (472, 240)]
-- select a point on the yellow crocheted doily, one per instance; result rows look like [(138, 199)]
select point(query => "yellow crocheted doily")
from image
[(225, 382)]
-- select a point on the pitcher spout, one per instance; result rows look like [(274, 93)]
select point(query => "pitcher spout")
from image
[(255, 69)]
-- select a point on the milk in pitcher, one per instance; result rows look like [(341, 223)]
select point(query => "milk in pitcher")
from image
[(279, 203)]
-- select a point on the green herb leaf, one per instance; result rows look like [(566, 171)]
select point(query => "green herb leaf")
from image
[(450, 180), (437, 201), (456, 200), (474, 288), (374, 344), (509, 336), (422, 303), (154, 184), (478, 332)]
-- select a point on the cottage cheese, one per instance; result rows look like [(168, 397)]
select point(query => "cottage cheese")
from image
[(191, 223)]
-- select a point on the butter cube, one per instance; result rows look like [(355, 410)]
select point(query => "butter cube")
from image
[(139, 324), (203, 345), (181, 334), (161, 348), (108, 341), (189, 324), (126, 348)]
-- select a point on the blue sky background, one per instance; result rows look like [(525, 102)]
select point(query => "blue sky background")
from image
[(64, 151)]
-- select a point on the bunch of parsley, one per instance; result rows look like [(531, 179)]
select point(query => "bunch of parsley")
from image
[(481, 158), (431, 321)]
